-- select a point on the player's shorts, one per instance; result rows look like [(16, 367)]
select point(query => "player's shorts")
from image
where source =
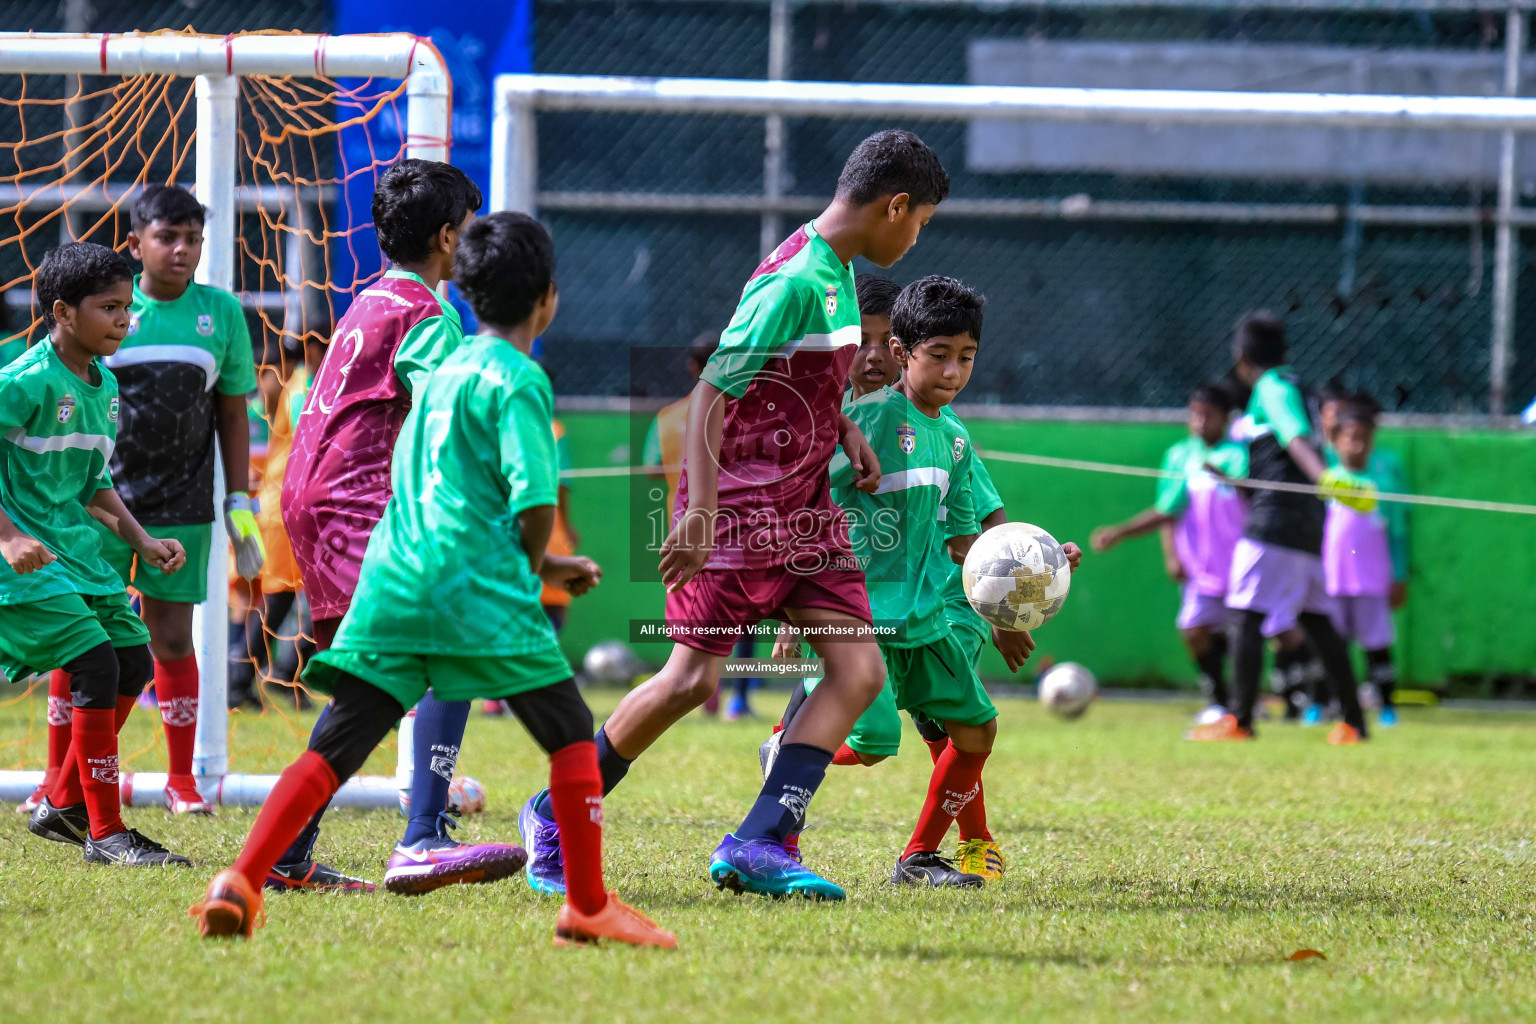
[(1366, 619), (710, 611), (44, 635), (939, 680), (407, 677), (1197, 610), (189, 584), (878, 730), (1283, 583)]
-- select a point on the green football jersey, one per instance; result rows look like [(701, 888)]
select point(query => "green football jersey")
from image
[(898, 532), (445, 572), (986, 500), (56, 437)]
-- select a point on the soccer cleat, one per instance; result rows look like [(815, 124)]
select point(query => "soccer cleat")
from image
[(61, 824), (981, 857), (231, 907), (312, 876), (924, 868), (1207, 715), (768, 752), (132, 849), (546, 868), (1224, 729), (1345, 735), (437, 861), (764, 867), (31, 803), (617, 921), (493, 708), (737, 708), (1387, 717), (183, 800), (1313, 715)]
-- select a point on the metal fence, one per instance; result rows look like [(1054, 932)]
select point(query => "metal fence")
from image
[(1107, 285)]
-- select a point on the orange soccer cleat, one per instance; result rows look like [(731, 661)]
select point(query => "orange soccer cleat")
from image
[(617, 921), (231, 907), (1224, 730), (1345, 735)]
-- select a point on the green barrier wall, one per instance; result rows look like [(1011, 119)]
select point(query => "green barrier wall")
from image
[(1471, 598)]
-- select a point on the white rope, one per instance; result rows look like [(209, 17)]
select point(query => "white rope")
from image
[(1468, 504)]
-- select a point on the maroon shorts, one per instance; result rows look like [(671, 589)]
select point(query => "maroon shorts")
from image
[(712, 609)]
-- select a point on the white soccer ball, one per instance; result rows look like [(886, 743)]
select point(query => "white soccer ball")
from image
[(1016, 576), (610, 661), (466, 795), (1067, 688)]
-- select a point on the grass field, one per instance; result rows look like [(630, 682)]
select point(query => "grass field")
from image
[(1149, 880)]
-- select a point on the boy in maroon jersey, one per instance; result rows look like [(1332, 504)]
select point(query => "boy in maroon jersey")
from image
[(757, 534), (395, 333)]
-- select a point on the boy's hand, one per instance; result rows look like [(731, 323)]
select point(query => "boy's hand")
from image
[(1013, 646), (245, 535), (1104, 538), (26, 554), (861, 457), (1398, 595), (1339, 479), (166, 555), (574, 574), (1074, 555), (687, 548), (1175, 569)]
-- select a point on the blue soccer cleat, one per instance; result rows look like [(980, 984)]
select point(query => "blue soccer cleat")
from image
[(546, 870), (1313, 715), (1387, 717), (763, 866)]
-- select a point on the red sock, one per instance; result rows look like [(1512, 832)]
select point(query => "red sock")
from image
[(124, 709), (846, 755), (972, 819), (937, 747), (176, 689), (95, 774), (576, 793), (61, 712), (955, 782), (302, 789)]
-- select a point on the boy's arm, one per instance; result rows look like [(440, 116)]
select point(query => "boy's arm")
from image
[(108, 509), (1171, 561), (1139, 525), (688, 546)]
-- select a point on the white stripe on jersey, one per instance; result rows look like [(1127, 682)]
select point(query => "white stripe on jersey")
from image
[(922, 476), (67, 442), (840, 338), (140, 354)]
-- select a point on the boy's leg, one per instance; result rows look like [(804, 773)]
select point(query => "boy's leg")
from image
[(953, 786), (176, 689), (1383, 673), (1334, 653), (437, 737), (1247, 666), (1201, 621), (60, 719)]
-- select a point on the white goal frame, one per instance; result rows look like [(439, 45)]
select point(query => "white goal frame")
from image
[(217, 62)]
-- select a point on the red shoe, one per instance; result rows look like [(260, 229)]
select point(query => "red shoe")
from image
[(30, 804), (1224, 730), (231, 907), (1345, 735), (182, 797), (617, 921), (493, 708)]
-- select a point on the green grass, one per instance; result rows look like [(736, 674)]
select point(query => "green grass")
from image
[(1149, 880)]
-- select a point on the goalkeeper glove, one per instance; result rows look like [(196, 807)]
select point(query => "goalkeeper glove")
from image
[(1337, 480), (245, 535)]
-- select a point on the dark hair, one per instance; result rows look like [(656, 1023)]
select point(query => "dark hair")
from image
[(505, 262), (412, 202), (1334, 391), (1360, 410), (169, 204), (889, 162), (876, 294), (1213, 394), (936, 307), (74, 271), (1259, 339)]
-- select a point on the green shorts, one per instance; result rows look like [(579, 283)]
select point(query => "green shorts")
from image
[(407, 677), (189, 584), (938, 680), (44, 635), (878, 730)]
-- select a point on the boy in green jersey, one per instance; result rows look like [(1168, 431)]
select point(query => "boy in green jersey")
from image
[(448, 596), (61, 604)]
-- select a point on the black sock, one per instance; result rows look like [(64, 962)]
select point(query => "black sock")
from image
[(781, 806), (1247, 665), (1381, 671), (1213, 669), (610, 765), (797, 698), (1334, 652)]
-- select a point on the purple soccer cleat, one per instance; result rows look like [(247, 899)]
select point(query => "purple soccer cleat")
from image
[(438, 861), (546, 869)]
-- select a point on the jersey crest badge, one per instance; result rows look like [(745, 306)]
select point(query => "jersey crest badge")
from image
[(133, 324), (831, 302), (906, 439), (205, 324), (66, 408), (959, 448), (112, 411)]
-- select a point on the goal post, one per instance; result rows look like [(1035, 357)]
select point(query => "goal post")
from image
[(217, 64)]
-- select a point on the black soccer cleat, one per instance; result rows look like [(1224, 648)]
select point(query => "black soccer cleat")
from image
[(935, 872), (70, 824), (132, 849), (312, 876)]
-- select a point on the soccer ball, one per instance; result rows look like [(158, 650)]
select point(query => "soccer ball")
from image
[(610, 661), (1016, 576), (466, 795), (1067, 688)]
